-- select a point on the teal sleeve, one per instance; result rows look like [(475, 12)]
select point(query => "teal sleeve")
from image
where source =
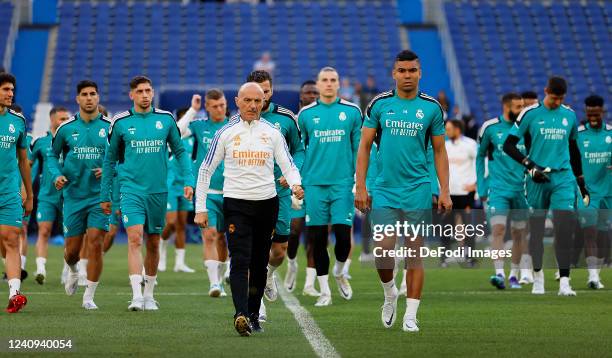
[(482, 183), (53, 156), (35, 161), (297, 148), (356, 136), (302, 127), (22, 142), (109, 165), (437, 125), (521, 127), (372, 117), (34, 170), (181, 155), (433, 174), (574, 131)]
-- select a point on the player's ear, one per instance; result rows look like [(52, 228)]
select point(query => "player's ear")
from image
[(236, 100), (131, 95)]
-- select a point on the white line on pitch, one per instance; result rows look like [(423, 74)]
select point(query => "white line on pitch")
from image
[(319, 343)]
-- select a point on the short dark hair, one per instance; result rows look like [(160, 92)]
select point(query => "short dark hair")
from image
[(214, 94), (134, 82), (557, 85), (308, 82), (406, 55), (509, 97), (57, 109), (259, 76), (85, 84), (457, 123), (7, 77), (594, 101), (529, 95)]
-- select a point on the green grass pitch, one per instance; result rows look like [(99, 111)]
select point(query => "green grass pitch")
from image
[(460, 315)]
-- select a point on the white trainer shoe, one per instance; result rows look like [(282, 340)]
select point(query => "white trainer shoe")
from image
[(564, 287), (410, 324), (215, 290), (389, 310), (291, 277), (137, 304), (526, 277), (72, 283), (324, 300), (90, 305), (150, 304), (271, 291), (183, 268), (538, 283), (263, 316), (344, 287), (222, 294), (310, 291)]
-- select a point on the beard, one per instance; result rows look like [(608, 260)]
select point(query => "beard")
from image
[(512, 116)]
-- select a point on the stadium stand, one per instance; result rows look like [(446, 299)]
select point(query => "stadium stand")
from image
[(504, 46), (6, 13), (210, 43)]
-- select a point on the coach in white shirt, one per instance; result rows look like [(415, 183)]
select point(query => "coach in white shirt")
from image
[(249, 146), (462, 176)]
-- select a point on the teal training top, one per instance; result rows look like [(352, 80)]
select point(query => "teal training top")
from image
[(596, 151), (41, 148), (404, 128), (139, 143), (204, 131), (547, 134), (81, 145), (284, 120), (505, 173), (330, 134), (13, 136)]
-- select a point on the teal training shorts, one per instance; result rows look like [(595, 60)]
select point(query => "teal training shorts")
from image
[(329, 204), (81, 214), (148, 210), (47, 211), (11, 210)]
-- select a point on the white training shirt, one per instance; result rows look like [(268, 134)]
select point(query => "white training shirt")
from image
[(249, 151), (461, 164)]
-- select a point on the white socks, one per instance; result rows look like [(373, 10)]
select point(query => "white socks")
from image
[(324, 285), (72, 268), (212, 269), (82, 267), (23, 262), (339, 268), (149, 286), (412, 306), (592, 265), (180, 257), (40, 264), (526, 262), (90, 291), (389, 289), (347, 266), (292, 263), (500, 271), (135, 281), (271, 270), (14, 286), (222, 267), (311, 273), (514, 270)]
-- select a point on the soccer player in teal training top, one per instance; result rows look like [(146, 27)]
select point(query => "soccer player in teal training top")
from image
[(285, 121), (213, 237), (503, 190), (330, 129), (13, 207), (138, 141), (402, 122), (595, 143), (49, 198), (549, 130), (81, 142)]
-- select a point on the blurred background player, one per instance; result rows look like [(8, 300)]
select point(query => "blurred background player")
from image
[(595, 143), (503, 190), (402, 122), (13, 207), (49, 198), (203, 132), (177, 211), (143, 196), (529, 98), (81, 143), (285, 121), (462, 168), (330, 132), (550, 130), (308, 94)]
